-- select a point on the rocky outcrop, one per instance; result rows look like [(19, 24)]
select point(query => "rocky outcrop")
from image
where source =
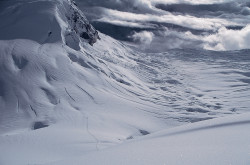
[(78, 27)]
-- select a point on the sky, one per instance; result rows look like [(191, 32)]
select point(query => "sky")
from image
[(160, 25)]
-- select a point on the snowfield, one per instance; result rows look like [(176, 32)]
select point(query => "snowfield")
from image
[(71, 95), (218, 141), (223, 141)]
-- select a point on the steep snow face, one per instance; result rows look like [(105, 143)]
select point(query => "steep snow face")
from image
[(67, 102), (45, 83), (52, 82), (34, 20)]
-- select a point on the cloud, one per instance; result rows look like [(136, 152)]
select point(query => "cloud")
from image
[(181, 20), (122, 5), (171, 39), (159, 25), (194, 1), (223, 40), (146, 4), (206, 9), (228, 39), (125, 23), (144, 37)]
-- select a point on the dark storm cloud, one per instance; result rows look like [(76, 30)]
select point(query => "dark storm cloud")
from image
[(119, 31), (169, 24), (207, 9), (135, 6)]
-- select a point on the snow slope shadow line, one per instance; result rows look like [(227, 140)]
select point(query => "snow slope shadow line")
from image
[(90, 96), (33, 110), (207, 127), (18, 61), (51, 97), (69, 94), (94, 137), (18, 105)]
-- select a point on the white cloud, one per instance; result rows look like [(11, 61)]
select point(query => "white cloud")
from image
[(144, 37), (143, 14), (125, 23), (153, 2), (182, 20), (228, 39), (142, 3), (223, 40), (170, 39)]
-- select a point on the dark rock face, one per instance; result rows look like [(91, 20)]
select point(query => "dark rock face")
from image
[(39, 124), (80, 25), (144, 132), (85, 36), (2, 89)]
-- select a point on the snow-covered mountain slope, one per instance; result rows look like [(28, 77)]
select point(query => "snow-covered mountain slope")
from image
[(219, 142), (67, 91), (48, 83), (53, 78), (197, 84)]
